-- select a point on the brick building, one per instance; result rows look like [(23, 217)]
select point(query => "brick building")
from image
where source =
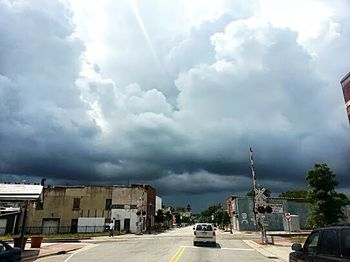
[(73, 209), (345, 83)]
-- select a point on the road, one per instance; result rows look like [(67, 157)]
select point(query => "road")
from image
[(172, 246)]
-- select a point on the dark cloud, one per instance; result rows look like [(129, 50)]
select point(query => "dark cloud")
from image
[(178, 110)]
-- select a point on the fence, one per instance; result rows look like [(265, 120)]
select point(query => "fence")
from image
[(63, 230)]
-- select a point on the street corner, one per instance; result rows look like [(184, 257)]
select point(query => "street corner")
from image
[(269, 251), (31, 254)]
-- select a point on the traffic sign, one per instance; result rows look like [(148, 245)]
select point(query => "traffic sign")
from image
[(287, 216)]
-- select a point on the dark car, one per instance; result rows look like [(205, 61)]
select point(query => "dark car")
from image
[(324, 244), (8, 253)]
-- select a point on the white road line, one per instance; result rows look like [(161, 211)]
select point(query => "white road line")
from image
[(226, 248), (81, 250), (69, 257)]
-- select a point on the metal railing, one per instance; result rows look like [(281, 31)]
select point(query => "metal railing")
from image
[(64, 230)]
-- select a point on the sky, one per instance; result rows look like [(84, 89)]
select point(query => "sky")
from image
[(173, 94)]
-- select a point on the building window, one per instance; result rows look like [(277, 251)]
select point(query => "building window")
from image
[(118, 206), (39, 205), (108, 204), (76, 203)]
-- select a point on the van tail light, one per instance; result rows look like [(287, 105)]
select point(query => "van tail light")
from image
[(213, 233)]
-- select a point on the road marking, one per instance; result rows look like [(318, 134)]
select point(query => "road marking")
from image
[(227, 248), (178, 257), (81, 250), (178, 254), (69, 257)]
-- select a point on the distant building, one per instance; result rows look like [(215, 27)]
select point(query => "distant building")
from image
[(345, 83), (125, 203)]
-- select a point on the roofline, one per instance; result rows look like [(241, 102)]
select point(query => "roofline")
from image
[(345, 77)]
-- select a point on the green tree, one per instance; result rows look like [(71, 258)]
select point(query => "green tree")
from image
[(326, 203), (267, 192), (178, 218), (159, 218), (180, 209), (206, 215), (294, 194)]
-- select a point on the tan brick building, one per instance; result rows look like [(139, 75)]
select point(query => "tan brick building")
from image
[(71, 209), (63, 206)]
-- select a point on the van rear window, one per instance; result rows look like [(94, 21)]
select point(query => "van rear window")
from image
[(204, 227)]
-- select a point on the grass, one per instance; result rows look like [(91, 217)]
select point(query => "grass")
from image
[(297, 239)]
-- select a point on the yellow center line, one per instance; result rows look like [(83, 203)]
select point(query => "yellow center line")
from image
[(177, 255)]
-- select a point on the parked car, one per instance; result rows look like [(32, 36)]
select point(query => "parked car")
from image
[(324, 244), (8, 253), (204, 233)]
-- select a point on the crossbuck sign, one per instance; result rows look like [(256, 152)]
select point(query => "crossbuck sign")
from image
[(260, 198)]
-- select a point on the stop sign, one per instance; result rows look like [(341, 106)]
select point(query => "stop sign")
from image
[(287, 216)]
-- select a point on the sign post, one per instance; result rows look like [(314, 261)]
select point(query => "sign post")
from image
[(260, 201), (288, 217)]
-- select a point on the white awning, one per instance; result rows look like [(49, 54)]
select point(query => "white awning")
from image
[(20, 192)]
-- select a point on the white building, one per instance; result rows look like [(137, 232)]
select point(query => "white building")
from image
[(159, 203)]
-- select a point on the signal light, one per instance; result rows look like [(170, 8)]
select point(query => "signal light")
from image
[(261, 209), (268, 209)]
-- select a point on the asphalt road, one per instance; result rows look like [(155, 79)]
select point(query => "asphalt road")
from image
[(173, 246)]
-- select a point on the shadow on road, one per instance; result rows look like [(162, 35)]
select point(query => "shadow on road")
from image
[(205, 245)]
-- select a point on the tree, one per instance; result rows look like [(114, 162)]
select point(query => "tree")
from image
[(326, 203), (294, 194), (180, 209), (267, 192), (209, 213), (159, 218), (178, 218)]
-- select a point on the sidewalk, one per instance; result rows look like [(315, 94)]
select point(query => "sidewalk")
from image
[(48, 249), (277, 251)]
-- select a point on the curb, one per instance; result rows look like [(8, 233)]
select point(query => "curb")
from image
[(262, 251), (60, 252)]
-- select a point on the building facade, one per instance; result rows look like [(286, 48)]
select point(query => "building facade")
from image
[(345, 83), (63, 208), (72, 209), (130, 208)]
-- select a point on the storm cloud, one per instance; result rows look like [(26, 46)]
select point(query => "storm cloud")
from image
[(172, 95)]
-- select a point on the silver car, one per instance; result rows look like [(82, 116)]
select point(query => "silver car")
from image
[(204, 233)]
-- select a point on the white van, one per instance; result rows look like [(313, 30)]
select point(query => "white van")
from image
[(204, 233)]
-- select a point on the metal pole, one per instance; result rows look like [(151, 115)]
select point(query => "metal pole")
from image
[(24, 224), (254, 181)]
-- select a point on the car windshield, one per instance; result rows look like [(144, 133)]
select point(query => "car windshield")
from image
[(204, 227)]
